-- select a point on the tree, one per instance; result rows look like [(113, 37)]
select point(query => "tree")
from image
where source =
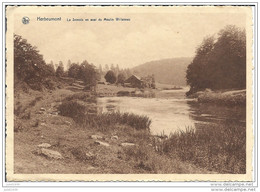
[(73, 71), (29, 65), (110, 77), (120, 78), (149, 81), (60, 70), (69, 64), (128, 72), (106, 68), (112, 67), (56, 65), (88, 74), (85, 72), (100, 69), (197, 73), (51, 69), (117, 69), (153, 82), (228, 59), (219, 63)]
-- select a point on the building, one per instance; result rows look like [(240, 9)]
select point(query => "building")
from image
[(134, 81)]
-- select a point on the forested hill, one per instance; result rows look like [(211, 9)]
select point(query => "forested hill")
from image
[(168, 71)]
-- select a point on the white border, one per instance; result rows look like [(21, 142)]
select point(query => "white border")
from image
[(157, 184)]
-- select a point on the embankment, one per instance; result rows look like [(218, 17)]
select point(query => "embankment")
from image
[(61, 132), (67, 121), (223, 97)]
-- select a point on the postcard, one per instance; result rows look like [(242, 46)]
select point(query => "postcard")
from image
[(129, 93)]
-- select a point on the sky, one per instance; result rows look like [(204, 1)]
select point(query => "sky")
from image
[(146, 37)]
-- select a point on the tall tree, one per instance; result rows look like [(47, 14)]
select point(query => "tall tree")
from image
[(69, 64), (100, 69), (106, 68), (29, 65), (228, 59), (219, 63), (88, 74), (51, 69), (197, 73), (60, 70)]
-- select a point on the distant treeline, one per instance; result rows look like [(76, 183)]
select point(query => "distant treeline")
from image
[(111, 75), (31, 69), (219, 63)]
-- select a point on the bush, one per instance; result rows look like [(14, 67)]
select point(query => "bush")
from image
[(49, 84), (73, 109)]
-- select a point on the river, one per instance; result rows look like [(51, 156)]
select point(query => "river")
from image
[(171, 111)]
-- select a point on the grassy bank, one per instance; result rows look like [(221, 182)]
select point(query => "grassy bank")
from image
[(80, 114), (228, 98), (85, 113), (129, 147), (145, 154), (67, 120), (219, 148)]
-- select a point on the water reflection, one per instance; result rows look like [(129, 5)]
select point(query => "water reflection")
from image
[(217, 114), (167, 115), (170, 111)]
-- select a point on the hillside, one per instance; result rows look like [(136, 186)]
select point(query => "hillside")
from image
[(169, 71)]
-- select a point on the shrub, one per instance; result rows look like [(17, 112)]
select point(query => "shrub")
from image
[(73, 109), (49, 84)]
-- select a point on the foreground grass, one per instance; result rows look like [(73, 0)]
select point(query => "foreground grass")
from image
[(143, 157), (216, 148), (73, 140), (219, 148), (86, 114), (70, 134)]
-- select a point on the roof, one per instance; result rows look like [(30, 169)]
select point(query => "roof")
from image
[(136, 77)]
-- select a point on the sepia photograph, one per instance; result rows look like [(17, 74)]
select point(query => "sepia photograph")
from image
[(129, 93)]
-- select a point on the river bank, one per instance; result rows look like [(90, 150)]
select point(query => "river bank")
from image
[(47, 142), (221, 97), (66, 122)]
